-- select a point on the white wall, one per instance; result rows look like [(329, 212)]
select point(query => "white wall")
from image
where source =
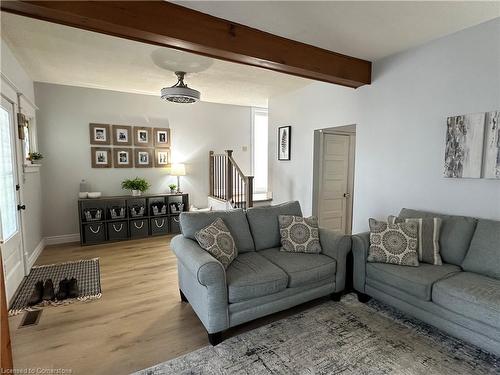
[(31, 182), (401, 125), (63, 122)]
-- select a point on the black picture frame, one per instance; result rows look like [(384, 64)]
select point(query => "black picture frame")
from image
[(284, 142)]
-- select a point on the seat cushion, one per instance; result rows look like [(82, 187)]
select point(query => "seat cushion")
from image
[(483, 256), (264, 224), (416, 281), (302, 268), (471, 295), (251, 275), (235, 220), (456, 233)]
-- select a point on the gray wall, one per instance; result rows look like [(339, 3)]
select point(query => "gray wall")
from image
[(401, 126), (63, 122)]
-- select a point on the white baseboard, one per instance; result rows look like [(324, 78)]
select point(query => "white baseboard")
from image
[(53, 240), (65, 238), (36, 253)]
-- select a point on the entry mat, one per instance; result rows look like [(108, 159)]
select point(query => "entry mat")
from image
[(86, 271)]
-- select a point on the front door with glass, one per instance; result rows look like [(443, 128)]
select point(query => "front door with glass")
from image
[(10, 219)]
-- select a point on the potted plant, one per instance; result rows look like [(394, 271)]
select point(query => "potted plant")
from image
[(173, 188), (35, 157), (136, 185)]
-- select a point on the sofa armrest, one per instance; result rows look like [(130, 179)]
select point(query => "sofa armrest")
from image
[(202, 279), (360, 246), (336, 246), (203, 266)]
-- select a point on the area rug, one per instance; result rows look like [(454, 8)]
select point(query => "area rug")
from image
[(346, 338), (85, 271)]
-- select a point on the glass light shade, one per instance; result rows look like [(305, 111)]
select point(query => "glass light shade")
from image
[(178, 170)]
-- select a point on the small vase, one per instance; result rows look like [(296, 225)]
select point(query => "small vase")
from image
[(136, 193), (172, 191)]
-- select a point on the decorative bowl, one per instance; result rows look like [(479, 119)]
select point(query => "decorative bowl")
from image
[(94, 194)]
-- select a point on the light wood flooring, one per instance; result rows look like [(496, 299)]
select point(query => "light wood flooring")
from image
[(138, 322)]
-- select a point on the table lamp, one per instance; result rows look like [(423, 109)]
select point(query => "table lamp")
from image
[(178, 170)]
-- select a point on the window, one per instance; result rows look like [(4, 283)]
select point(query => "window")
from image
[(259, 149)]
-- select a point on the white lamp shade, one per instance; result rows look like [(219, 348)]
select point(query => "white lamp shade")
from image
[(178, 170)]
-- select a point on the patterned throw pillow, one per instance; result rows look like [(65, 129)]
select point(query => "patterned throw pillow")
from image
[(393, 243), (299, 234), (218, 241), (428, 238)]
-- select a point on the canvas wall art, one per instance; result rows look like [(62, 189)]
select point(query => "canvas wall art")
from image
[(491, 164), (472, 146)]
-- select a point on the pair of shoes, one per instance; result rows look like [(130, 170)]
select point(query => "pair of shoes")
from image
[(45, 292), (42, 292), (67, 289)]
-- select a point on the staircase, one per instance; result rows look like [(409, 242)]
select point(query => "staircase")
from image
[(227, 182)]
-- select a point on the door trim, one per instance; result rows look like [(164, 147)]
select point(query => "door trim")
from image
[(318, 168)]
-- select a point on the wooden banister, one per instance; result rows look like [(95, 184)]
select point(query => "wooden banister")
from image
[(211, 173), (227, 181)]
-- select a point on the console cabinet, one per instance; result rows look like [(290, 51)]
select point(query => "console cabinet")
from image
[(108, 219)]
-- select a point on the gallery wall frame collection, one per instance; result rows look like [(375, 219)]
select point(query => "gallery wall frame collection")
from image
[(112, 146), (473, 146)]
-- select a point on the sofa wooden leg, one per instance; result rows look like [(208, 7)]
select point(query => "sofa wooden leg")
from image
[(215, 338), (336, 296), (183, 297), (363, 297)]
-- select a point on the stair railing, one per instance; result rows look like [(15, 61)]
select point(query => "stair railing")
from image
[(227, 182)]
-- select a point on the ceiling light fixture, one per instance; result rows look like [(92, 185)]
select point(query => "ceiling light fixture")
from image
[(180, 93)]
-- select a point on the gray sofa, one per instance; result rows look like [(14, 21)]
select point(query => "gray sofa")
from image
[(461, 297), (262, 280)]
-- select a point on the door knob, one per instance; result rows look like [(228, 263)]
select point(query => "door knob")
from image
[(347, 195), (19, 207)]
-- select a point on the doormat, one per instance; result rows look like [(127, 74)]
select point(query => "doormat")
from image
[(86, 271)]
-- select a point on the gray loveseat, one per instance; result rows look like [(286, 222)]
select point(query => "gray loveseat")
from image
[(262, 280), (461, 297)]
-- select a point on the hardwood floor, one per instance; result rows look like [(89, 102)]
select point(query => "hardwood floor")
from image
[(139, 321)]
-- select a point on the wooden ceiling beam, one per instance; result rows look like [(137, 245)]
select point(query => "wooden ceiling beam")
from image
[(170, 25)]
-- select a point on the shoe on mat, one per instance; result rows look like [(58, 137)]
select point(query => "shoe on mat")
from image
[(62, 293), (48, 290), (37, 295), (73, 291)]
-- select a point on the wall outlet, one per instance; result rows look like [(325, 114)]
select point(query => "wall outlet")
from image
[(244, 148)]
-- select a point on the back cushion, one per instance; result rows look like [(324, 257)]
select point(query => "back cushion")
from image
[(235, 220), (483, 256), (264, 223), (456, 233)]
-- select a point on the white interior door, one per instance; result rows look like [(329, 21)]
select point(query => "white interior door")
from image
[(10, 219), (334, 193)]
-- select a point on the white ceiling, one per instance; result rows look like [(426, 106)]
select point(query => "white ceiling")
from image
[(68, 56), (368, 30)]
